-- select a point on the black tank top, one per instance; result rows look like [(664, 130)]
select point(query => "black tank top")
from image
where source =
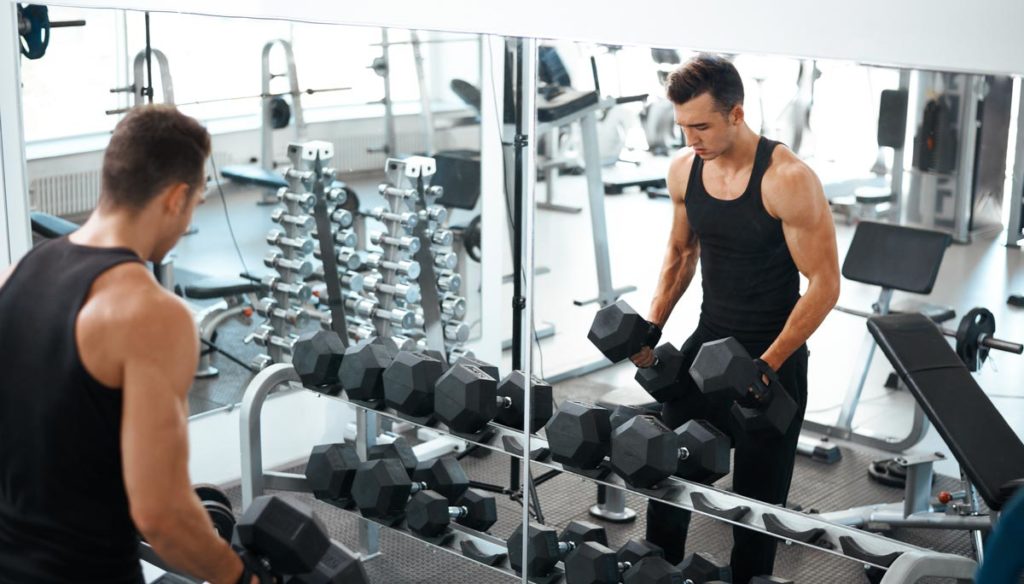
[(63, 509), (748, 276)]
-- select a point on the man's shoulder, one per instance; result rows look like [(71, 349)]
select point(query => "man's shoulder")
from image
[(679, 172), (128, 300), (787, 168)]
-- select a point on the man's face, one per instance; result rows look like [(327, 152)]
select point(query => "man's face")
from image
[(708, 131)]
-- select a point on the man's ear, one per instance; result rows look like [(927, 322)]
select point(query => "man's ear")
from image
[(176, 198), (737, 115)]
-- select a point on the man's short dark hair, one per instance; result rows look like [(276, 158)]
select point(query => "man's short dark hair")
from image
[(152, 148), (706, 73)]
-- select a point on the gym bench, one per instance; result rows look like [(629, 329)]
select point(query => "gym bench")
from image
[(990, 454)]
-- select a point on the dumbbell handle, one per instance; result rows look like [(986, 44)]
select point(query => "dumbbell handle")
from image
[(304, 200), (410, 244), (342, 217), (301, 221), (279, 239)]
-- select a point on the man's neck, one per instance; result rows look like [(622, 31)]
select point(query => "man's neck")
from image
[(116, 229), (742, 153)]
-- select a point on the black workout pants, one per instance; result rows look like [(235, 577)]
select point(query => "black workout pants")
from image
[(762, 464)]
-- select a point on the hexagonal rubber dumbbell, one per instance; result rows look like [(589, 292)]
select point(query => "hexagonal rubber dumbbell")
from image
[(619, 332), (544, 549), (444, 475), (382, 488), (398, 450), (429, 513), (316, 357), (593, 563), (635, 550), (579, 434), (337, 566), (330, 471), (362, 370), (645, 452), (513, 387), (409, 383), (466, 398), (724, 370), (653, 570), (284, 532), (701, 567)]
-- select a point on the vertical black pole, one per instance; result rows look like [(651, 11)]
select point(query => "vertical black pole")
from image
[(518, 303), (148, 91)]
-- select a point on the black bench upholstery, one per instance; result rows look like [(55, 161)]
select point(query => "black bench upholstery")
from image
[(988, 450), (895, 256), (250, 174), (210, 288), (51, 226)]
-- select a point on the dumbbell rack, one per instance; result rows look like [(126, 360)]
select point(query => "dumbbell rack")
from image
[(414, 287), (899, 559), (282, 306)]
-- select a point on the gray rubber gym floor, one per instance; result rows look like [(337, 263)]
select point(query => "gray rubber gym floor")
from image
[(566, 497)]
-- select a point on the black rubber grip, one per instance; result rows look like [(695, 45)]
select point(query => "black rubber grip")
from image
[(472, 552), (810, 536), (853, 549), (513, 446), (701, 503)]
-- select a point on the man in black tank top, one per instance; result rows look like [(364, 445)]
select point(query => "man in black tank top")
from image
[(756, 217), (98, 361)]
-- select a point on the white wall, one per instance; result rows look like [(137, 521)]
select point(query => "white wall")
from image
[(292, 424)]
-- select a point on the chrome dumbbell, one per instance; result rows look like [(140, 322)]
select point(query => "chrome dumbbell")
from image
[(453, 306), (406, 292), (434, 213), (446, 260), (408, 268), (346, 238), (304, 201), (449, 281), (387, 190), (337, 195), (305, 222), (264, 336), (407, 243), (302, 245), (408, 220), (270, 308), (456, 331), (297, 290), (367, 308), (274, 259), (305, 176), (353, 281), (342, 217), (261, 362), (441, 237), (348, 259), (361, 331)]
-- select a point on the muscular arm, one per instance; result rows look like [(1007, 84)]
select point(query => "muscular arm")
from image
[(680, 262), (796, 198), (160, 356)]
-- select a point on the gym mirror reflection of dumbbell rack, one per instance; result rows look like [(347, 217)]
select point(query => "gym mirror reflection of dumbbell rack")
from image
[(786, 524), (408, 292)]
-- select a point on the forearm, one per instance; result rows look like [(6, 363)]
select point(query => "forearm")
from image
[(805, 318), (676, 274), (184, 538)]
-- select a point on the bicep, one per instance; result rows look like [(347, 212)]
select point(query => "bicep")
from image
[(682, 236)]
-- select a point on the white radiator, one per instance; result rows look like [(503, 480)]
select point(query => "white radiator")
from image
[(65, 194)]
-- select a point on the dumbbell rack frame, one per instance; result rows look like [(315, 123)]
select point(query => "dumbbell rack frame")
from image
[(900, 560)]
